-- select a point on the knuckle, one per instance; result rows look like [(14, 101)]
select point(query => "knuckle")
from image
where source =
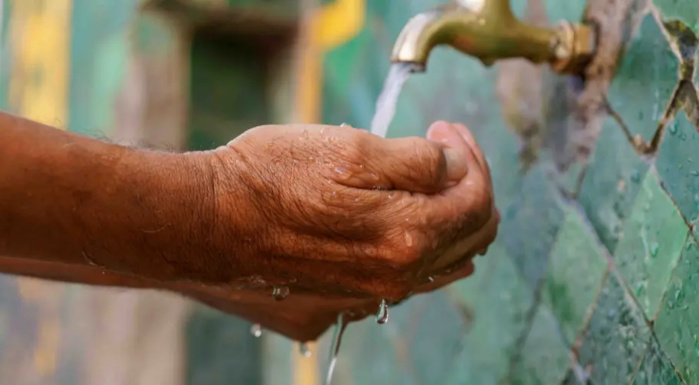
[(431, 161)]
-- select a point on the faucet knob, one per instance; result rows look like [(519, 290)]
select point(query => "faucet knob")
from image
[(573, 47)]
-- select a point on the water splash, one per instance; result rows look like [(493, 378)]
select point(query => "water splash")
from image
[(386, 104), (280, 292), (304, 350), (256, 330), (335, 346), (382, 315)]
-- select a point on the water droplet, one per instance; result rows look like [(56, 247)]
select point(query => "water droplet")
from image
[(430, 278), (673, 128), (356, 199), (671, 304), (408, 239), (256, 330), (303, 349), (382, 314), (639, 289), (654, 249), (340, 170), (695, 173), (334, 193), (280, 292), (636, 176), (305, 134), (374, 176), (391, 195), (683, 136), (345, 125), (361, 166)]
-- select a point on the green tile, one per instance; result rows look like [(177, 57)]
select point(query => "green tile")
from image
[(497, 300), (531, 223), (221, 350), (678, 165), (685, 10), (645, 80), (655, 369), (652, 243), (438, 322), (544, 357), (575, 274), (677, 326), (611, 183), (616, 338)]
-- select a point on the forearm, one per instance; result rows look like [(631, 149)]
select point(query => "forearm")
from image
[(71, 199)]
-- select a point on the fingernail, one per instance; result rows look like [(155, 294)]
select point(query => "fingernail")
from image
[(456, 166)]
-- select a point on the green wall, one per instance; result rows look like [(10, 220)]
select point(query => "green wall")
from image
[(595, 269)]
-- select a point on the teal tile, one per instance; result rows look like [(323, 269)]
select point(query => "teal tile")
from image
[(531, 223), (497, 301), (575, 275), (655, 369), (611, 183), (678, 165), (645, 80), (651, 246), (616, 338), (687, 11), (544, 357), (433, 344), (221, 350), (677, 326)]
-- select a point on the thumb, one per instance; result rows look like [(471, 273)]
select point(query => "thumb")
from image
[(424, 165)]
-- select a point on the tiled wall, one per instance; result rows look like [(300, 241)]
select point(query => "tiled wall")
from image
[(594, 275)]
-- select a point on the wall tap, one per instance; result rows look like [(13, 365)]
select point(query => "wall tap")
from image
[(489, 31)]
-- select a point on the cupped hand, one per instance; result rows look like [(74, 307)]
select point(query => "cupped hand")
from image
[(336, 212)]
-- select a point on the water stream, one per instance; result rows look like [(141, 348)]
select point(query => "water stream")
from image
[(385, 111), (386, 103), (335, 347)]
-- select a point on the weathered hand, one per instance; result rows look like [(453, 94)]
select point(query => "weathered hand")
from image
[(336, 210)]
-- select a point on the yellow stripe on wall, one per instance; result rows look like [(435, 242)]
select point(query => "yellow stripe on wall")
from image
[(324, 29), (327, 27), (39, 41), (40, 44)]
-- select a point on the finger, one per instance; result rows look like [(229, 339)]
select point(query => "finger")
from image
[(477, 150), (467, 247), (418, 164)]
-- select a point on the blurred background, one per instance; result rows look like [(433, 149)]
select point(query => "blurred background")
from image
[(591, 278)]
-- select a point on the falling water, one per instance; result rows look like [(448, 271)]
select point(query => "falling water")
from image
[(335, 347), (386, 104), (256, 330), (382, 315)]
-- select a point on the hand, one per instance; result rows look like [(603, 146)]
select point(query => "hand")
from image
[(338, 211)]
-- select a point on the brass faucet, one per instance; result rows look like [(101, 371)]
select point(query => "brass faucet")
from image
[(488, 30)]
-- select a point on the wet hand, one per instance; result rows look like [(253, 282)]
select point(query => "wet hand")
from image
[(339, 211)]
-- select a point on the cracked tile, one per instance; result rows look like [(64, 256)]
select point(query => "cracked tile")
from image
[(686, 11), (656, 369), (654, 236), (611, 183), (575, 275), (678, 165), (544, 356), (677, 326), (616, 338), (645, 80)]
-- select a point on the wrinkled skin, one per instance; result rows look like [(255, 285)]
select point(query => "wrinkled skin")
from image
[(341, 217), (346, 218)]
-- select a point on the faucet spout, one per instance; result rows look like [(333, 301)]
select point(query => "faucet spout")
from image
[(489, 31)]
